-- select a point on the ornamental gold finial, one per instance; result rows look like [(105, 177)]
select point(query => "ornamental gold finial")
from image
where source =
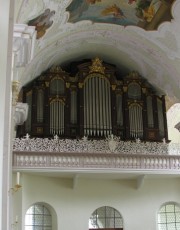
[(56, 69), (97, 66)]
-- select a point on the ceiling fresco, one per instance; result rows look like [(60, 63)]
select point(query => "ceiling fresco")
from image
[(147, 14), (42, 22)]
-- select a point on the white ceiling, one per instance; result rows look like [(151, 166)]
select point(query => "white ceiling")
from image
[(154, 54)]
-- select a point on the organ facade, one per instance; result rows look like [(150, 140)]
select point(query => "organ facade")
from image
[(93, 102)]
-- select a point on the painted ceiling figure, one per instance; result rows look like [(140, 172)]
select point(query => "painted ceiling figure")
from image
[(150, 11), (42, 22), (123, 12), (114, 10)]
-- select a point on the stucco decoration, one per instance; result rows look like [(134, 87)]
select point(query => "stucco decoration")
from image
[(20, 114), (23, 44), (42, 22)]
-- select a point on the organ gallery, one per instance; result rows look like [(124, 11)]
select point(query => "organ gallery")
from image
[(93, 101)]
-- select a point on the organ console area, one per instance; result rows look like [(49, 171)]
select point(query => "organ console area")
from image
[(93, 101)]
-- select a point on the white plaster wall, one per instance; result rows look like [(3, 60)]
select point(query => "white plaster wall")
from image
[(173, 117), (73, 207)]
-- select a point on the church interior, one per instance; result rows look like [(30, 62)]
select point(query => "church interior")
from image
[(90, 114)]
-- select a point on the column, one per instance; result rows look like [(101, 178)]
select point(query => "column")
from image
[(6, 34)]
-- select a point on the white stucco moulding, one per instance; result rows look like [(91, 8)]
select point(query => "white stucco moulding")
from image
[(21, 113), (24, 38)]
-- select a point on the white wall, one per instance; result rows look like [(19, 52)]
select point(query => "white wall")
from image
[(173, 117), (74, 206)]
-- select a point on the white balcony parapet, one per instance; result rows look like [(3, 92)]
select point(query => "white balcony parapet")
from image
[(81, 161), (38, 153)]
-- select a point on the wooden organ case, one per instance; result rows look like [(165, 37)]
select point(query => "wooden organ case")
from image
[(94, 103)]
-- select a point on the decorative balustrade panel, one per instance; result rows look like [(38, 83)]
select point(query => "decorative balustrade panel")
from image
[(109, 145), (27, 160)]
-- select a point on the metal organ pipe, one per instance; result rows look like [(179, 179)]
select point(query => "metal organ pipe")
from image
[(136, 121), (57, 118), (97, 107)]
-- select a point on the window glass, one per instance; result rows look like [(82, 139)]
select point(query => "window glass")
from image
[(169, 217), (38, 217), (105, 217)]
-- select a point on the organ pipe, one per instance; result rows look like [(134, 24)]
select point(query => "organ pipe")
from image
[(136, 121), (57, 117), (97, 107)]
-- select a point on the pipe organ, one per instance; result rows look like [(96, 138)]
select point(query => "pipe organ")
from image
[(95, 102)]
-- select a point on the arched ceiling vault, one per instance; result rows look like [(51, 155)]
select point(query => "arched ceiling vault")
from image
[(154, 54)]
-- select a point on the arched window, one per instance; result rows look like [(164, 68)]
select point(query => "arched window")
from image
[(106, 217), (169, 217), (38, 217)]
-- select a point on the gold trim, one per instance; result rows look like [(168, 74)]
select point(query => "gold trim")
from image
[(67, 85), (57, 99), (130, 104), (39, 130), (15, 92), (47, 84), (97, 66), (56, 69), (113, 87), (125, 89), (80, 85), (91, 75), (144, 90)]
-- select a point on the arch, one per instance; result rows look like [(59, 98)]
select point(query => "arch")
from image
[(40, 214), (106, 217), (168, 217)]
